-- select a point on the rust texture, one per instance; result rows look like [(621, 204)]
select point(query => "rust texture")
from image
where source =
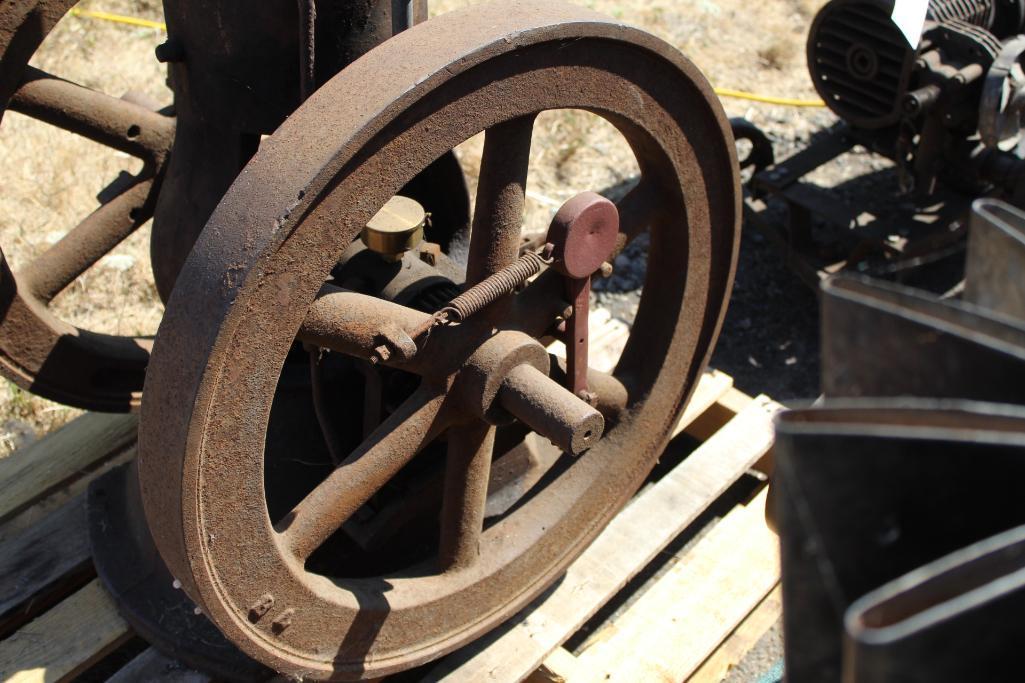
[(445, 410)]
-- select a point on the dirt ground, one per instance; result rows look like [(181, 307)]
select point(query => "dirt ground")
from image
[(51, 179)]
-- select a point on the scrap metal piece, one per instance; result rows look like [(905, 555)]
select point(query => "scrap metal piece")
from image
[(950, 620), (913, 456), (881, 339), (870, 490), (995, 267)]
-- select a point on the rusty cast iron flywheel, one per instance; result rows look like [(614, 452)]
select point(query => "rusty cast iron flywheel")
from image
[(255, 281)]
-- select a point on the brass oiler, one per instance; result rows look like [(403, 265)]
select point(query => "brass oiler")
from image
[(396, 228)]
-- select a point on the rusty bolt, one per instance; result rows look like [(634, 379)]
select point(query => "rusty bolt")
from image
[(261, 607), (283, 621), (381, 354), (170, 51), (397, 341), (588, 397), (430, 253)]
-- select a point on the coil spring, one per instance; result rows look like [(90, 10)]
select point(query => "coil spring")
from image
[(492, 289)]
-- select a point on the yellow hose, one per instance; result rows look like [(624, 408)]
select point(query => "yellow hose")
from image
[(754, 97), (721, 92), (118, 19)]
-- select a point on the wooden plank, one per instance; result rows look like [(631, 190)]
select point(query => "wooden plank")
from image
[(710, 421), (740, 642), (687, 613), (151, 666), (60, 457), (41, 562), (712, 387), (625, 547), (64, 641), (558, 668), (41, 508)]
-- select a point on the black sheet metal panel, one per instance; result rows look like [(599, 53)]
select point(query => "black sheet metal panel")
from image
[(972, 598), (995, 269), (882, 339), (871, 490)]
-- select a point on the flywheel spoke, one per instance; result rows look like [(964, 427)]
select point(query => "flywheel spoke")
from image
[(417, 422), (90, 240), (104, 119), (501, 192), (467, 470)]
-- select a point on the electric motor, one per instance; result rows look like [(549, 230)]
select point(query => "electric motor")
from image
[(863, 66)]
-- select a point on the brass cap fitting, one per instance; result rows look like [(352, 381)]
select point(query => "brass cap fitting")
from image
[(396, 228)]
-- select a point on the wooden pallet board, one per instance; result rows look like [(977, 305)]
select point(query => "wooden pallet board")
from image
[(623, 549), (65, 640), (56, 620)]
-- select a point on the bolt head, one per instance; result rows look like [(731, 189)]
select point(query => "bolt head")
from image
[(170, 51)]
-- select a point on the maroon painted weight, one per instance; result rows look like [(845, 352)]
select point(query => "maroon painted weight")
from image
[(583, 235)]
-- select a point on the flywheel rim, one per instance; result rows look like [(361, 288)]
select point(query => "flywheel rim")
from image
[(176, 448)]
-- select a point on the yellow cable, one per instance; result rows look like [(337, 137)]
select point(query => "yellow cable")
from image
[(754, 97), (118, 19), (722, 92)]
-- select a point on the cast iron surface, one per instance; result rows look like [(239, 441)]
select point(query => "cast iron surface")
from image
[(235, 71), (38, 351), (256, 279)]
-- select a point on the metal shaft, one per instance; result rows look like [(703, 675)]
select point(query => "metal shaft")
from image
[(550, 410)]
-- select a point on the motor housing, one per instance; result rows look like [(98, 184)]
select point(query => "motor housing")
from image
[(863, 67)]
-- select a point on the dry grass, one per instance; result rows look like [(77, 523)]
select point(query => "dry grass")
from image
[(51, 178)]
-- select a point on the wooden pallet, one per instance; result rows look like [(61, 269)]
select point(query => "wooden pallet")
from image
[(693, 622)]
